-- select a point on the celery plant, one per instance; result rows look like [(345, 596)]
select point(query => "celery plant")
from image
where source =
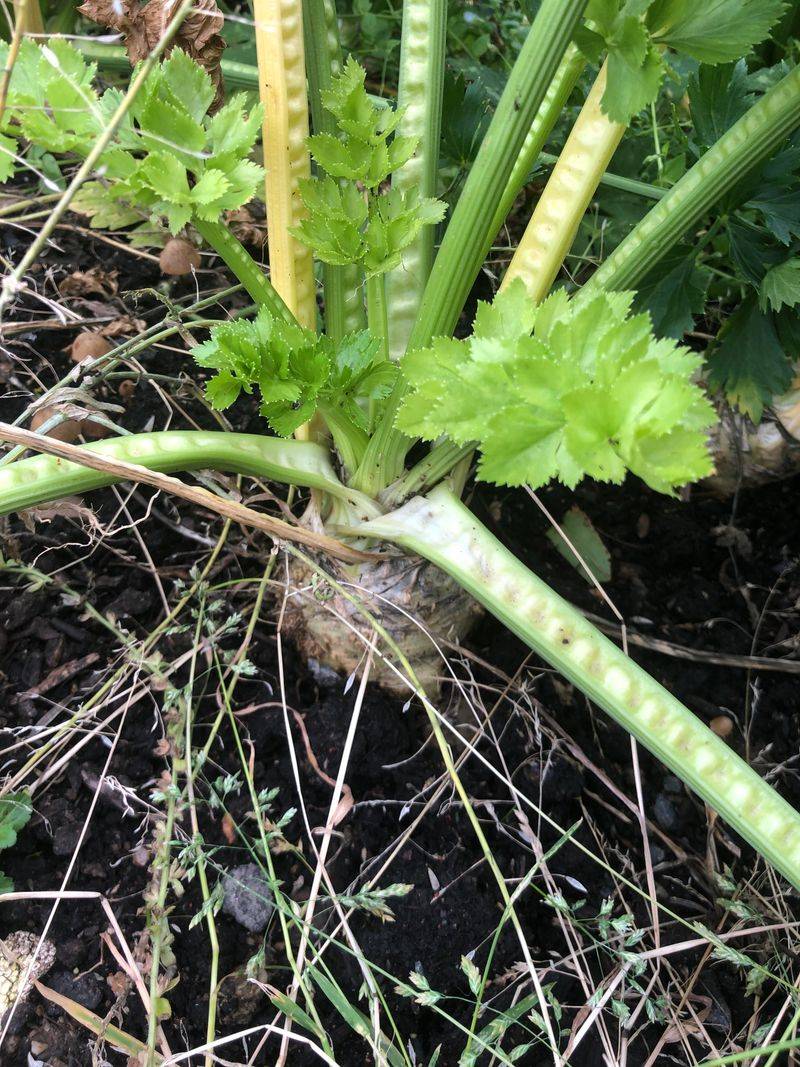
[(545, 387)]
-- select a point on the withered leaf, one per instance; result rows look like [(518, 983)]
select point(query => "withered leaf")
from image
[(93, 280), (142, 25)]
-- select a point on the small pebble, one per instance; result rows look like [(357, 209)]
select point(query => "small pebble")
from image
[(722, 725), (665, 812), (178, 257), (88, 345)]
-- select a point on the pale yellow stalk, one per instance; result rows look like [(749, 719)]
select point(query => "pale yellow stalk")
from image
[(282, 87), (569, 190), (28, 15)]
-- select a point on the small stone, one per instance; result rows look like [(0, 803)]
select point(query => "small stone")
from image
[(665, 812), (722, 725), (89, 345), (247, 897), (178, 257), (66, 431), (325, 677), (141, 856), (65, 839), (71, 951)]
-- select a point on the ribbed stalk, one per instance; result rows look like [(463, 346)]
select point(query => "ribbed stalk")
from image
[(751, 140), (377, 312), (461, 254), (30, 482), (244, 267), (344, 304), (422, 50), (431, 469), (442, 530), (282, 87), (569, 190), (555, 98)]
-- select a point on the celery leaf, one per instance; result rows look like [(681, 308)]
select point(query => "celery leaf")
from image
[(295, 371), (781, 286), (714, 31), (750, 366), (591, 392)]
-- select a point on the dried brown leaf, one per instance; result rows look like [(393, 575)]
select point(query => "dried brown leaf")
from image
[(123, 325), (142, 26), (93, 280), (248, 229)]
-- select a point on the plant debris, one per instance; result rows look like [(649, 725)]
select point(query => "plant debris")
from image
[(142, 26)]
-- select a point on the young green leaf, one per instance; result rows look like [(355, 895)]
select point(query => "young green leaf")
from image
[(590, 393), (169, 157), (296, 371), (635, 65), (363, 150), (15, 812), (342, 227), (633, 33)]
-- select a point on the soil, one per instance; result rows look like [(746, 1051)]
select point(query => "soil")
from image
[(705, 574)]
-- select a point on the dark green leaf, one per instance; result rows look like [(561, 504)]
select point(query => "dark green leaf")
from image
[(674, 292), (714, 31), (718, 98), (750, 365)]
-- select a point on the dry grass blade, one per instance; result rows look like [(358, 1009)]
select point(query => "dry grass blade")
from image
[(107, 1031), (229, 509)]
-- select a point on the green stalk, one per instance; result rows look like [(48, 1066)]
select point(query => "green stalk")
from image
[(442, 458), (251, 274), (555, 99), (377, 312), (422, 54), (344, 309), (445, 532), (350, 441), (462, 252), (113, 57), (34, 481), (750, 141)]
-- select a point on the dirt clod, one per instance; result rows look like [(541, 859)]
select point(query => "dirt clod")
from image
[(248, 897)]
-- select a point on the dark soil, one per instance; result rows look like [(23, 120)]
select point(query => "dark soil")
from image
[(701, 573)]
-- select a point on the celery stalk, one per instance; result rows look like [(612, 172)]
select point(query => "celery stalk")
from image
[(571, 186), (441, 529)]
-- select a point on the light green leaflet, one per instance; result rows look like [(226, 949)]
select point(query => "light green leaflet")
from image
[(563, 390)]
